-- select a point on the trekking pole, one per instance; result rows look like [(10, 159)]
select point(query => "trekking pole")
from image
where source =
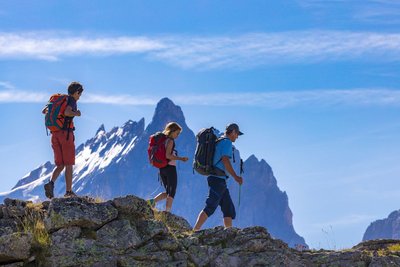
[(240, 186), (240, 191), (241, 173)]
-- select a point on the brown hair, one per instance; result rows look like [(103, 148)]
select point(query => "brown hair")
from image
[(171, 127), (75, 87)]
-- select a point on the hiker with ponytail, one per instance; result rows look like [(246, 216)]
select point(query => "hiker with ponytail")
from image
[(168, 174)]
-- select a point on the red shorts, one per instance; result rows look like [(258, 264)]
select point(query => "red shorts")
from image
[(64, 150)]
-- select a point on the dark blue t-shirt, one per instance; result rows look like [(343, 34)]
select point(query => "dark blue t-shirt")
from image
[(69, 120), (72, 103)]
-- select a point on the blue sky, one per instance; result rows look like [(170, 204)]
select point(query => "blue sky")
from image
[(314, 85)]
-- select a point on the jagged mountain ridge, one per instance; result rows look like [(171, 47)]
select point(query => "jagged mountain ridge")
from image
[(388, 228), (115, 163)]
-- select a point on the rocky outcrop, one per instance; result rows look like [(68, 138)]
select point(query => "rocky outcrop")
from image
[(127, 232), (388, 228), (15, 244)]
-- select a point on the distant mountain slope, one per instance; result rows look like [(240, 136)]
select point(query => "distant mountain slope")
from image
[(388, 228)]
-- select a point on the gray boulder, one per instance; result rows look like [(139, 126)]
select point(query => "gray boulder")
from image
[(8, 226), (69, 248), (235, 247), (67, 212), (173, 222), (149, 229), (133, 207), (14, 264), (14, 208), (15, 247), (118, 235)]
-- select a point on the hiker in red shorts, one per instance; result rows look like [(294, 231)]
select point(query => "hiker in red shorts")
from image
[(62, 141)]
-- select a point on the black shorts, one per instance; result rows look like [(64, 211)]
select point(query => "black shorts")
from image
[(169, 179)]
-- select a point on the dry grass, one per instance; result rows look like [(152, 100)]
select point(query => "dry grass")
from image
[(39, 232), (33, 223), (394, 248), (388, 250), (159, 216), (96, 199), (35, 207), (99, 200)]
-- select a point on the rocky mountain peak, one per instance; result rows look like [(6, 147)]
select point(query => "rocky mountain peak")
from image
[(252, 159), (394, 215), (166, 111), (101, 130), (133, 128), (166, 104), (385, 228), (261, 165)]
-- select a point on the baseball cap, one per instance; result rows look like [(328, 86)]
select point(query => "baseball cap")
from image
[(233, 126)]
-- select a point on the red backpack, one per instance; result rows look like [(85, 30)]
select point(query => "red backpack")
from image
[(55, 119), (157, 151)]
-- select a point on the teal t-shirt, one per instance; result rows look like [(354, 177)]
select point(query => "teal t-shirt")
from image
[(222, 148)]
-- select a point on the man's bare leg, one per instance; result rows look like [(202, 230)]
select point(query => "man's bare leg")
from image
[(228, 222), (200, 221), (68, 178), (56, 173)]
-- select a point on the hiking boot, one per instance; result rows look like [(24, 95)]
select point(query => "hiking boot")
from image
[(151, 202), (49, 189), (70, 194)]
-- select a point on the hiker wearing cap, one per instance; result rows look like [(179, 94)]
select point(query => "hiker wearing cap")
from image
[(168, 173), (218, 191), (60, 112)]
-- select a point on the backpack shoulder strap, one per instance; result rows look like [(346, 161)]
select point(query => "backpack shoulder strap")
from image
[(169, 139), (158, 137), (233, 148), (221, 138), (216, 142)]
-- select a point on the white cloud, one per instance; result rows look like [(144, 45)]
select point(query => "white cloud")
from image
[(275, 99), (366, 11), (382, 15), (20, 96), (282, 99), (119, 100), (6, 85), (208, 52), (353, 3), (42, 46), (345, 221), (16, 96)]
